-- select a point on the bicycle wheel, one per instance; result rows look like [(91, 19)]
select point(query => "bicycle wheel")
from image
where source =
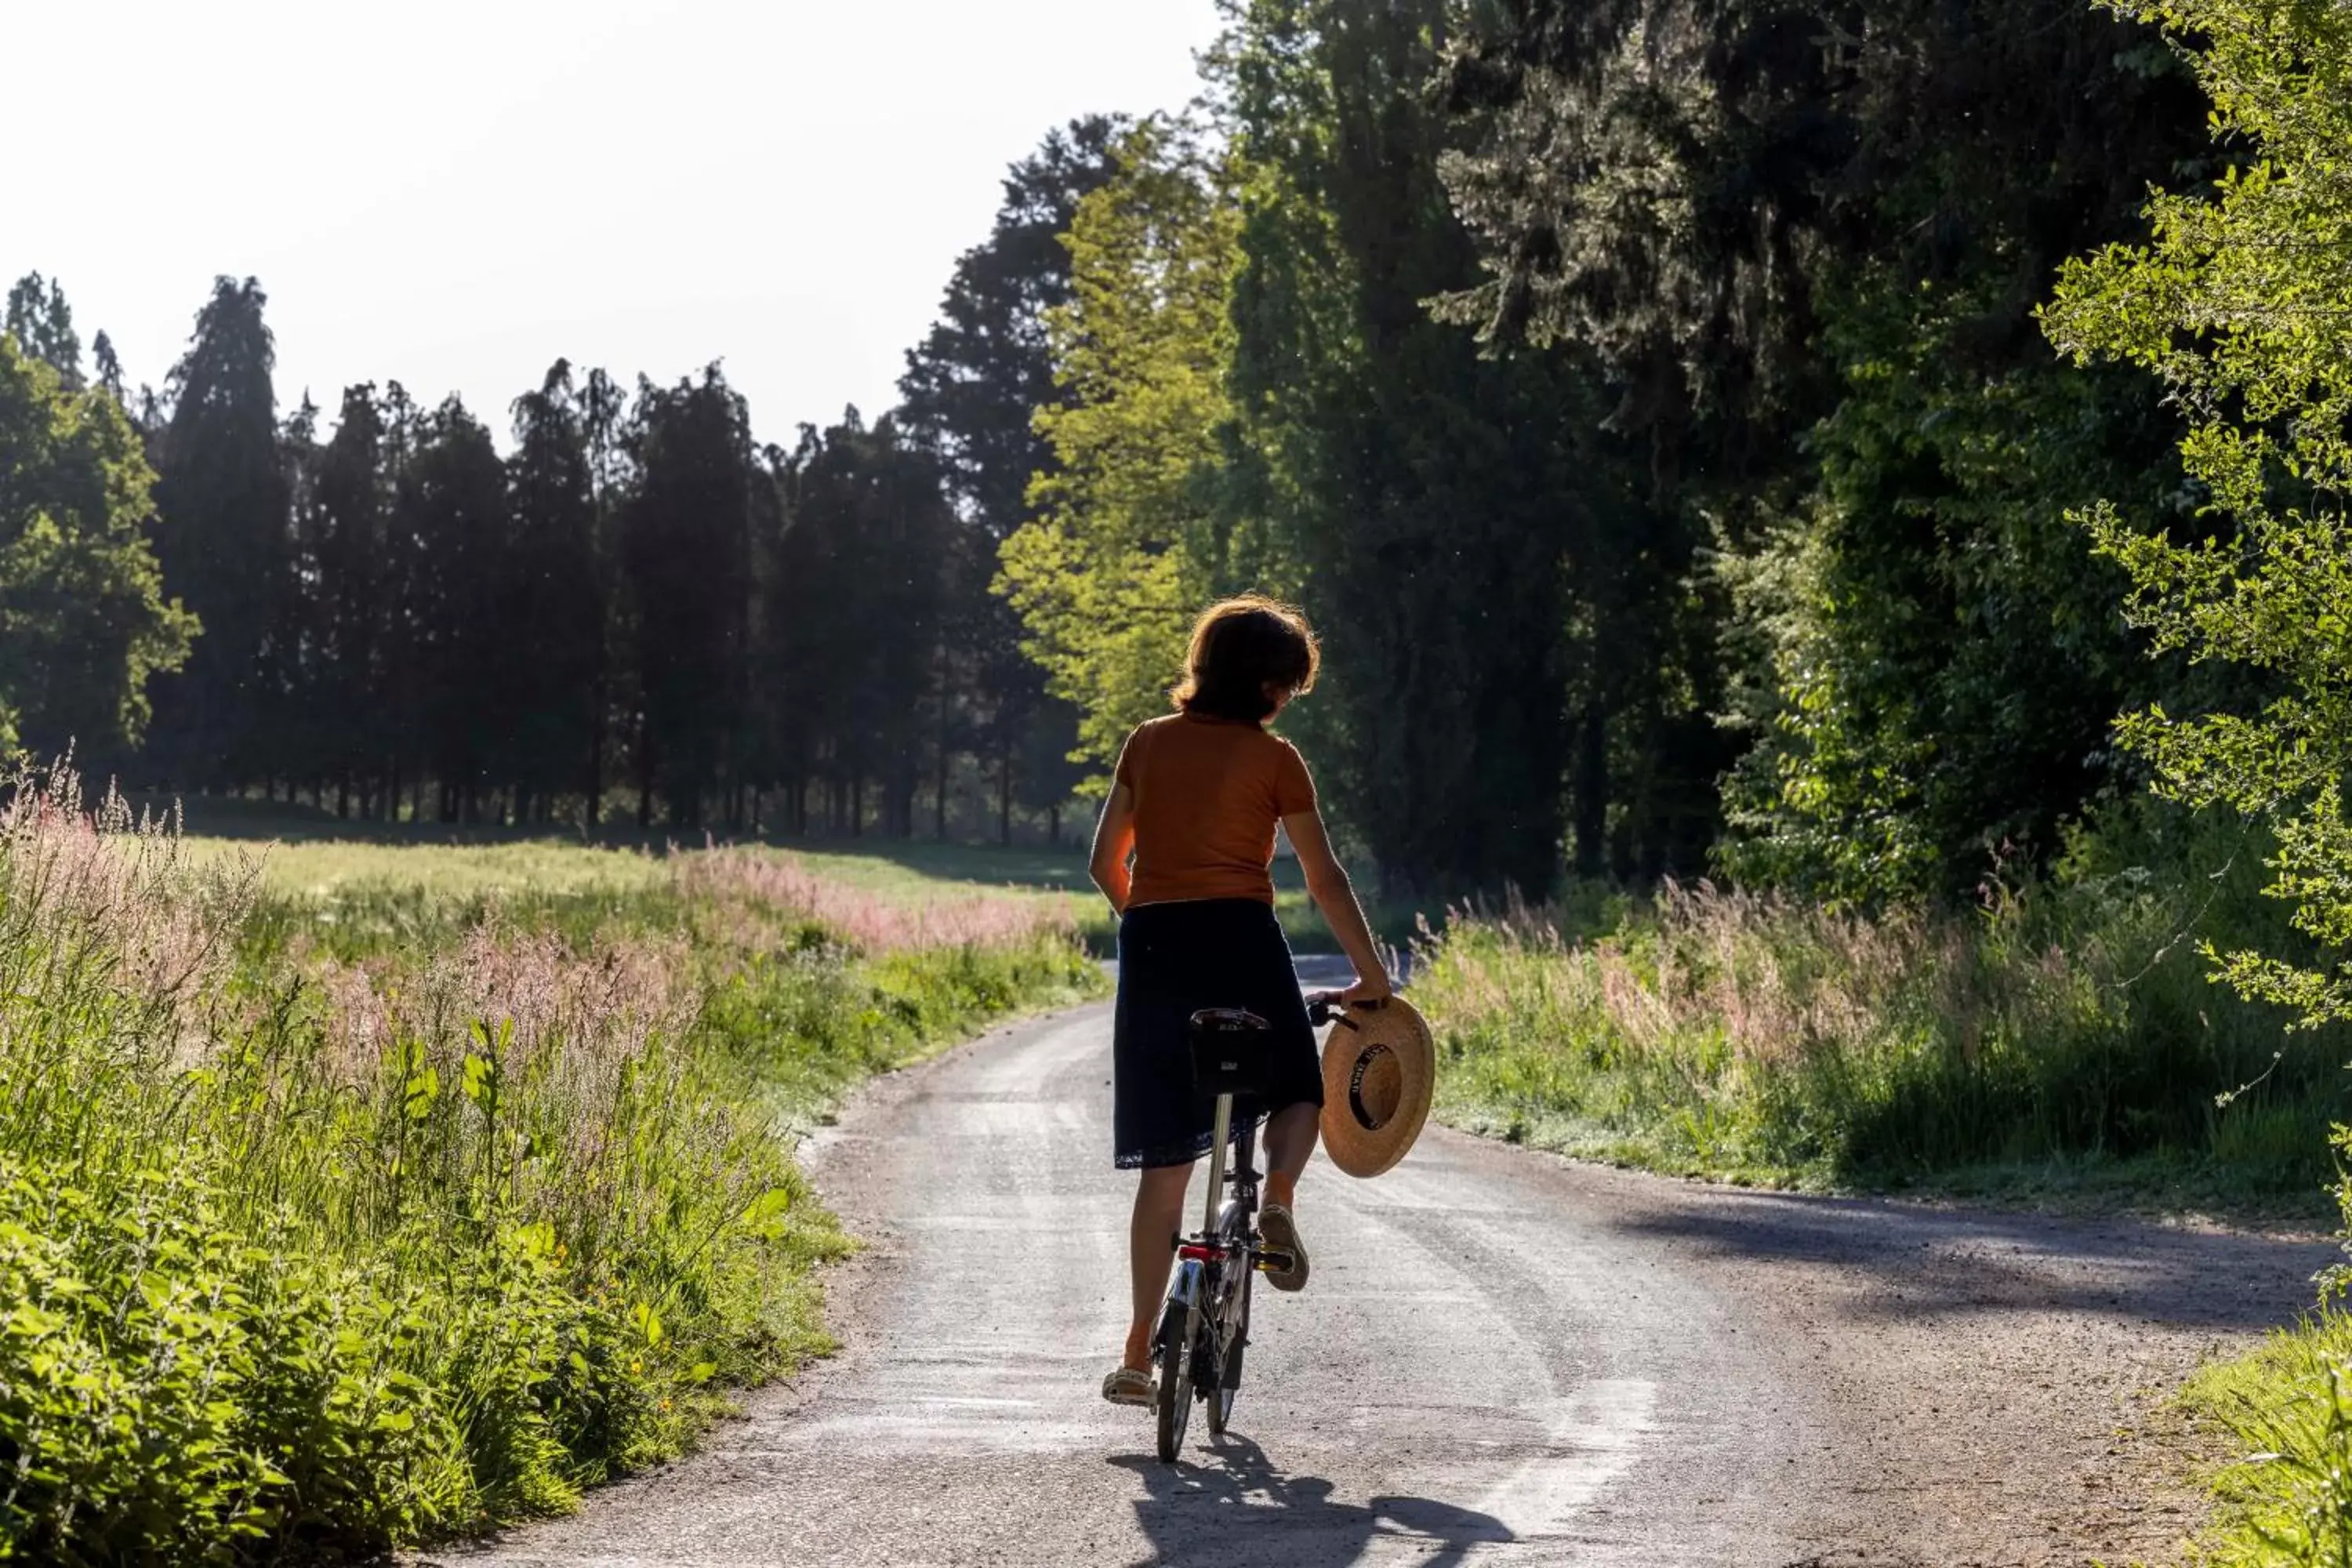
[(1233, 1316), (1175, 1398), (1236, 1339)]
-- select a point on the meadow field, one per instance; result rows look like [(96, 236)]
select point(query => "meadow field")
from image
[(315, 855)]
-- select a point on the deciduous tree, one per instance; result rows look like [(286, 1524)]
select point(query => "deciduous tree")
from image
[(2237, 305), (84, 621)]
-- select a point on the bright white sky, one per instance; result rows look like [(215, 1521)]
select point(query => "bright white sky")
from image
[(453, 195)]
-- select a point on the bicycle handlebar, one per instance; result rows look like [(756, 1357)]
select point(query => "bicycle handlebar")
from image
[(1322, 1006)]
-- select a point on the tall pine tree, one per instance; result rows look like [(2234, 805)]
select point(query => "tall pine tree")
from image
[(686, 551), (225, 546), (552, 598)]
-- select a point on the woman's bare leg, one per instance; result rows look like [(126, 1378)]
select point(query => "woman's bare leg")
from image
[(1158, 1215), (1290, 1135)]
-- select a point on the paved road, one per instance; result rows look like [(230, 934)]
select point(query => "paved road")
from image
[(1503, 1357)]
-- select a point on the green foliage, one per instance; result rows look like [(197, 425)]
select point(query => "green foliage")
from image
[(327, 1226), (1935, 665), (2284, 1500), (1455, 522), (2234, 304), (1803, 253), (2286, 1493), (84, 622), (1119, 557), (42, 323)]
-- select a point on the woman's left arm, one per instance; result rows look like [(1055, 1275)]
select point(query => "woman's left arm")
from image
[(1114, 843)]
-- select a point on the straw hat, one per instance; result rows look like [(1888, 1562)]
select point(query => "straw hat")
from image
[(1377, 1069)]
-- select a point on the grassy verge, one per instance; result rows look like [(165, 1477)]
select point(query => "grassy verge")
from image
[(2283, 1415), (339, 1211), (2062, 1042)]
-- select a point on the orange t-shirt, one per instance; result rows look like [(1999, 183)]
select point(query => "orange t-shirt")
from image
[(1208, 793)]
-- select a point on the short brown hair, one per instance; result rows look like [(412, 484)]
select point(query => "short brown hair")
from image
[(1241, 647)]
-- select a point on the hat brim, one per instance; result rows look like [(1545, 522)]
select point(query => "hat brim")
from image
[(1358, 1038)]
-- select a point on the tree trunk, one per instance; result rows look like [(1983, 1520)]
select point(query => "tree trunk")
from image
[(1591, 792), (594, 814), (1004, 793), (645, 778)]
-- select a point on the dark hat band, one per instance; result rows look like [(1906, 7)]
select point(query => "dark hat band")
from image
[(1364, 1060)]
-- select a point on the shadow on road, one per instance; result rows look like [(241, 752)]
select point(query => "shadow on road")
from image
[(1236, 1507), (1941, 1262)]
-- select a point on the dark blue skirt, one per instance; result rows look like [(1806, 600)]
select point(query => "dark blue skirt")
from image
[(1173, 961)]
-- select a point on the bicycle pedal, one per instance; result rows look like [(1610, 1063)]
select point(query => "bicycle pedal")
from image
[(1275, 1262)]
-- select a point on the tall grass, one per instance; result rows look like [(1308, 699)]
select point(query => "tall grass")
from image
[(2285, 1412), (1759, 1038), (326, 1224)]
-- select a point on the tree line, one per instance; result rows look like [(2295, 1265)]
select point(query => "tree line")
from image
[(1650, 403), (634, 610)]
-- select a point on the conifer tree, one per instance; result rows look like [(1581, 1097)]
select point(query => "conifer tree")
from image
[(109, 368), (225, 547), (457, 509), (685, 548), (344, 524), (552, 597)]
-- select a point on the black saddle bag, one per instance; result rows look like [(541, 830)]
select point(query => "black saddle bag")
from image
[(1228, 1051)]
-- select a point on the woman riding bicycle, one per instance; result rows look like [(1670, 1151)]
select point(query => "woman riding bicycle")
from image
[(1194, 803)]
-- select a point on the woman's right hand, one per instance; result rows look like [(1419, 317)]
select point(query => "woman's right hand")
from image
[(1368, 991)]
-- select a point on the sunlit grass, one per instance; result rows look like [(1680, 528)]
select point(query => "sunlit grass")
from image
[(2282, 1417), (2062, 1044), (320, 859), (356, 1193)]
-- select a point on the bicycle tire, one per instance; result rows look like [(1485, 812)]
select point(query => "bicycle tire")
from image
[(1235, 1339), (1175, 1394)]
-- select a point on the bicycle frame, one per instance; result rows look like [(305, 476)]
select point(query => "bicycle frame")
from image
[(1210, 1262)]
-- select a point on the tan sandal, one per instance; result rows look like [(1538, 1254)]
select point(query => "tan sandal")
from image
[(1279, 1232), (1128, 1386)]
